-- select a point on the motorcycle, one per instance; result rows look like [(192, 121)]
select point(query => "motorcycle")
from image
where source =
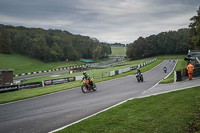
[(87, 86), (164, 69), (139, 77)]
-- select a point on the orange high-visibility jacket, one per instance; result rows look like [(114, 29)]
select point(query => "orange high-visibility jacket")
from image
[(190, 68)]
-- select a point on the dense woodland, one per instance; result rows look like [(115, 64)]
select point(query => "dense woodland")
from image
[(50, 45), (172, 42), (194, 35), (165, 43)]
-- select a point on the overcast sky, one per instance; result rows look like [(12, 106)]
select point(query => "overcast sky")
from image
[(107, 20)]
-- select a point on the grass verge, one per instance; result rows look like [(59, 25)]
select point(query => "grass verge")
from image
[(180, 65), (28, 93), (174, 112)]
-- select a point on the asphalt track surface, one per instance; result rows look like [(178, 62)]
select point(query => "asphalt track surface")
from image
[(46, 113)]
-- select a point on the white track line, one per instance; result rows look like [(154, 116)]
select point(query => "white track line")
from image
[(114, 105), (119, 104)]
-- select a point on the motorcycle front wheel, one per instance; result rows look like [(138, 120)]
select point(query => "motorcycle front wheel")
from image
[(94, 88), (142, 78), (138, 79), (84, 88)]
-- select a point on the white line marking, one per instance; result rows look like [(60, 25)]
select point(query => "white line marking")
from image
[(160, 80), (117, 105)]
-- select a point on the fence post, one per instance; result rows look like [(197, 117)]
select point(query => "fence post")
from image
[(174, 76)]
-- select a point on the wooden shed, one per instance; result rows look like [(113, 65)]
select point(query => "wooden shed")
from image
[(6, 77)]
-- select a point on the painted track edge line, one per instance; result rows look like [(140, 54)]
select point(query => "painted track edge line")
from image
[(161, 79), (103, 109), (88, 116), (120, 104)]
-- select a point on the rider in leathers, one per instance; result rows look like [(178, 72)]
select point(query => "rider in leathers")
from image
[(138, 71), (86, 77)]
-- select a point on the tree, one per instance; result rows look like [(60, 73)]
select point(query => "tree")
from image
[(50, 45), (194, 35), (136, 50), (172, 42), (5, 41)]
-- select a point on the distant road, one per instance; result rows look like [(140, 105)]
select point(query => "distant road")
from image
[(46, 113), (41, 74)]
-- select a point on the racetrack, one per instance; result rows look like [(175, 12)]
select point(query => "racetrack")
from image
[(49, 112)]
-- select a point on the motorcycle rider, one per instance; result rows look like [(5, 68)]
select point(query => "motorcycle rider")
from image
[(165, 69), (86, 77), (139, 75), (138, 71)]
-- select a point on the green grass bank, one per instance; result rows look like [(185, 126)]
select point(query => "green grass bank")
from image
[(175, 112), (118, 51)]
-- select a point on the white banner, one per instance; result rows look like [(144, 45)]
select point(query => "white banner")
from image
[(79, 77), (112, 73)]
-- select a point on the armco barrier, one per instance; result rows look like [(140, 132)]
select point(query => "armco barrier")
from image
[(30, 85), (116, 72), (36, 84), (58, 81), (112, 73), (79, 77), (64, 68)]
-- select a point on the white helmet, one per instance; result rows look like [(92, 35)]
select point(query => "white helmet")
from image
[(84, 72)]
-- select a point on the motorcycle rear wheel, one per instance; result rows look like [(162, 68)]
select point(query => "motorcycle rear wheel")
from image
[(94, 88), (84, 89)]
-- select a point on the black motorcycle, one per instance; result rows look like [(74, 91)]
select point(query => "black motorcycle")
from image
[(139, 77)]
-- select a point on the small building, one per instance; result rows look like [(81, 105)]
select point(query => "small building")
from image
[(193, 57), (6, 77)]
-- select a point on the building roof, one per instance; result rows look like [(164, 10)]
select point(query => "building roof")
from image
[(87, 60)]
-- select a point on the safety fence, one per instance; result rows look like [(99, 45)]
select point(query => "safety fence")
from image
[(182, 74), (36, 84), (91, 65), (70, 79)]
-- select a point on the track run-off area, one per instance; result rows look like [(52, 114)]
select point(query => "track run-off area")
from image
[(52, 111)]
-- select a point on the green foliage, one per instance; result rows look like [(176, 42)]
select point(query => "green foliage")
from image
[(5, 41), (50, 45), (194, 36), (165, 43)]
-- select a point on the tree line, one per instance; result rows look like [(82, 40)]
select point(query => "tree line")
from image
[(50, 45), (172, 42), (165, 43), (117, 44)]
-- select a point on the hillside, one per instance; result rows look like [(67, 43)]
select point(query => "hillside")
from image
[(23, 64), (118, 51)]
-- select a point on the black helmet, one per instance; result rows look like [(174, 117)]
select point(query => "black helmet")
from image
[(84, 72)]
